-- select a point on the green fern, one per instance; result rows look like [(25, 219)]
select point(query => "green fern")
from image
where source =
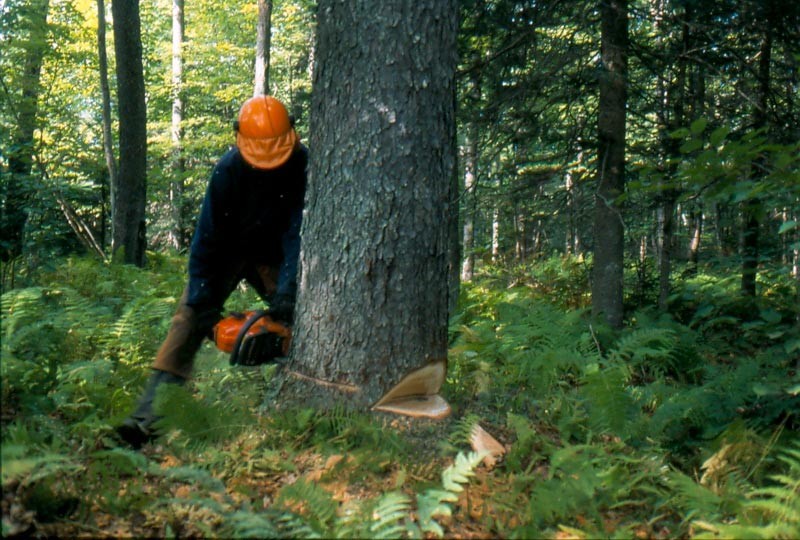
[(19, 464), (196, 476), (519, 346), (648, 352), (692, 498), (523, 452), (313, 510), (391, 515), (461, 432), (610, 406), (387, 517), (769, 512), (200, 421), (434, 502), (244, 524)]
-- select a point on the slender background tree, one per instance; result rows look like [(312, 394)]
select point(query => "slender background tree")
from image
[(263, 41), (129, 206), (609, 242), (108, 138), (179, 238)]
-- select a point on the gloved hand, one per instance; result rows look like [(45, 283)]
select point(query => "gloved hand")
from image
[(281, 308)]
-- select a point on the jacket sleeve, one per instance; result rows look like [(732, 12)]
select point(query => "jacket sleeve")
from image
[(287, 274), (208, 245), (290, 242)]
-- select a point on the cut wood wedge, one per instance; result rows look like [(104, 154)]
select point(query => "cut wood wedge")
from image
[(416, 394), (434, 407), (483, 442)]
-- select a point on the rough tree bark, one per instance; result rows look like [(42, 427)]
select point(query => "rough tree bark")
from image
[(129, 204), (373, 296), (608, 225), (263, 39)]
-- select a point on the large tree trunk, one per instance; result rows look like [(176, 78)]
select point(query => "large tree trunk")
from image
[(129, 205), (108, 139), (178, 237), (263, 39), (373, 296), (607, 299), (17, 188)]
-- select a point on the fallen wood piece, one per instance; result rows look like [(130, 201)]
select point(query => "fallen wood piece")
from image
[(483, 442), (416, 394)]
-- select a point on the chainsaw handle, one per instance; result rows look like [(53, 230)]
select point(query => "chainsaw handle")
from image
[(253, 319)]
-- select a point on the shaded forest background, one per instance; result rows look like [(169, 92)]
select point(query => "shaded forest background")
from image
[(677, 419)]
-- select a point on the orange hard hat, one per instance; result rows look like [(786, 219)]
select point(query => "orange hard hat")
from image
[(265, 135)]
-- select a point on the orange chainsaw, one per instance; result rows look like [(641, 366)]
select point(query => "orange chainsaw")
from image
[(252, 338)]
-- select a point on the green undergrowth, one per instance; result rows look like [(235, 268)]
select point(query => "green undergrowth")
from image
[(681, 424)]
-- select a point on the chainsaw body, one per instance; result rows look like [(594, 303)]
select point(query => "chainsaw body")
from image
[(252, 338)]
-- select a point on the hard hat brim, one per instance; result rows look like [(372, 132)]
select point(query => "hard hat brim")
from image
[(267, 152)]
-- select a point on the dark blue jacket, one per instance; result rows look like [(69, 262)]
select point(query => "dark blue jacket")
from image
[(249, 217)]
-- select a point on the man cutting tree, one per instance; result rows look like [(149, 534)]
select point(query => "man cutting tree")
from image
[(248, 229)]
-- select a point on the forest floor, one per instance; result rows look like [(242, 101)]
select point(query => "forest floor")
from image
[(681, 425), (251, 471), (257, 482), (255, 478)]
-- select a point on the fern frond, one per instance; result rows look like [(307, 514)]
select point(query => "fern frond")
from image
[(388, 516), (202, 422), (17, 463), (122, 461), (243, 524), (523, 450), (781, 502), (610, 406), (462, 430), (433, 502), (295, 526), (693, 498), (194, 475), (313, 508), (19, 307)]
